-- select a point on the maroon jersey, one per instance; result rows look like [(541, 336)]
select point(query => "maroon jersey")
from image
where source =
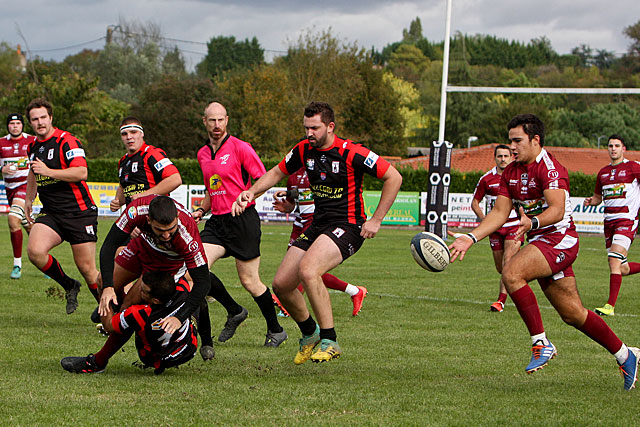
[(487, 187), (61, 151), (153, 343), (143, 170), (14, 152), (336, 175), (525, 184), (185, 245), (305, 207), (620, 190)]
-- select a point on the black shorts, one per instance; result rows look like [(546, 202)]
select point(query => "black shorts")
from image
[(346, 236), (239, 235), (74, 228)]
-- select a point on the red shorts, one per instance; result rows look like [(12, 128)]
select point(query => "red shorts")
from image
[(560, 251), (497, 238), (620, 231), (16, 193), (139, 257)]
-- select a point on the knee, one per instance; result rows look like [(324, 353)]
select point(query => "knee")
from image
[(35, 253), (14, 223), (573, 316), (510, 276)]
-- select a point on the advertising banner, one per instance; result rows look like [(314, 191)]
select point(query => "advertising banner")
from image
[(404, 211), (439, 180)]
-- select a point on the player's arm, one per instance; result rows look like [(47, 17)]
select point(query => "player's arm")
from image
[(475, 207), (594, 200), (204, 207), (554, 212), (115, 238), (265, 182), (392, 182), (118, 201), (32, 190), (164, 187), (72, 174), (491, 222), (201, 285)]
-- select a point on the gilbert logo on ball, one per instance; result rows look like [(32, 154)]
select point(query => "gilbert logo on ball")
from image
[(430, 251)]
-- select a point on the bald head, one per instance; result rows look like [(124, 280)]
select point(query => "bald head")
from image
[(215, 121)]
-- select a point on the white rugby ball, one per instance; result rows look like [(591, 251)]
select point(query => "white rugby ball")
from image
[(430, 251)]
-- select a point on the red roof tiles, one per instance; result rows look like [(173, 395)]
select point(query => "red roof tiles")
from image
[(480, 158)]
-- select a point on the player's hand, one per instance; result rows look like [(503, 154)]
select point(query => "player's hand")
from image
[(114, 205), (460, 247), (241, 202), (38, 166), (280, 205), (170, 324), (28, 209), (135, 233), (197, 215), (525, 224), (370, 228), (108, 297), (587, 201)]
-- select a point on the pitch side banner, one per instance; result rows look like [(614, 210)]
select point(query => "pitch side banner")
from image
[(439, 180), (404, 211)]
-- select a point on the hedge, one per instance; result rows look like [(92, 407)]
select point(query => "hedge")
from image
[(105, 170)]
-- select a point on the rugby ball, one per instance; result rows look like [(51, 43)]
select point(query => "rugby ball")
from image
[(430, 251)]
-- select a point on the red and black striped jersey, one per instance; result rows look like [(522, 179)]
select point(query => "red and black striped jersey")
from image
[(336, 175), (152, 341), (61, 151), (143, 170)]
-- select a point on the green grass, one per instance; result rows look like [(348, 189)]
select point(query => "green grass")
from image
[(425, 350)]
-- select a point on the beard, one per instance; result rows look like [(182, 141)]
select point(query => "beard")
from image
[(318, 142)]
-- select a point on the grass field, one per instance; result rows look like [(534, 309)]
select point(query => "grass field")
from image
[(425, 350)]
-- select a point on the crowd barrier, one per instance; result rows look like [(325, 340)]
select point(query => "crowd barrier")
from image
[(408, 209)]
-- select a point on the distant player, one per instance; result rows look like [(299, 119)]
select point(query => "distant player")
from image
[(336, 169), (538, 185), (58, 175), (15, 169), (299, 199), (162, 297), (504, 243), (618, 186)]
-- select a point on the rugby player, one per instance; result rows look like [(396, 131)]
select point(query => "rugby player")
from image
[(617, 184), (335, 168), (15, 168), (58, 175), (538, 186)]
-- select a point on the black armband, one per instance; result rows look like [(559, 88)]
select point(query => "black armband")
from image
[(292, 194), (200, 289), (535, 223), (115, 238)]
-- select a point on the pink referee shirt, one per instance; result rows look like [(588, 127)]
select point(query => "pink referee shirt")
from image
[(228, 171)]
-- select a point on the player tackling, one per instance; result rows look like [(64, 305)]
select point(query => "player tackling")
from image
[(538, 186), (617, 184)]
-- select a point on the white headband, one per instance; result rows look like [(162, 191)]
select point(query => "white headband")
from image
[(132, 126)]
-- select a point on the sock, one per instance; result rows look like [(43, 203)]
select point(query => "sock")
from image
[(328, 334), (634, 267), (622, 354), (17, 262), (16, 243), (332, 282), (204, 325), (527, 305), (265, 302), (111, 346), (307, 327), (615, 281), (301, 289), (502, 297), (54, 270), (539, 337), (93, 288), (352, 290), (598, 330), (219, 292)]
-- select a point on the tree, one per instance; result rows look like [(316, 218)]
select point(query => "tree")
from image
[(9, 66), (633, 32), (414, 33), (408, 62), (226, 54)]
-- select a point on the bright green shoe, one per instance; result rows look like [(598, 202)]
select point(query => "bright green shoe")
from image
[(307, 344), (328, 350), (607, 310), (16, 272)]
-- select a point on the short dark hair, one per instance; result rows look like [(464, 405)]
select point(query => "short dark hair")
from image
[(130, 120), (616, 136), (531, 125), (163, 209), (161, 285), (326, 112), (500, 147), (39, 103)]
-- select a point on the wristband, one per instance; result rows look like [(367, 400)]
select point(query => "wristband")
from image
[(202, 209), (104, 286), (473, 238), (535, 223)]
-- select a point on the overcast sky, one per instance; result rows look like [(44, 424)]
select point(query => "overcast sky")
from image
[(48, 25)]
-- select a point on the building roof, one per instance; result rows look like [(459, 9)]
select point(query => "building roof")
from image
[(480, 158)]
